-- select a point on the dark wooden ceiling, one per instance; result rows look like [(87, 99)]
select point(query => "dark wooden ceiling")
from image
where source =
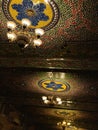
[(70, 52)]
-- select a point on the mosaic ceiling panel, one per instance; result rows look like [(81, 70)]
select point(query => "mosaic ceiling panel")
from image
[(77, 20), (71, 31), (42, 14)]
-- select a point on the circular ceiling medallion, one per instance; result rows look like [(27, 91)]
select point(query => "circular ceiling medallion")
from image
[(65, 113), (42, 13), (56, 86)]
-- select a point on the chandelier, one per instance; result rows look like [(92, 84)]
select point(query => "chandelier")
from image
[(22, 35), (51, 100), (65, 124)]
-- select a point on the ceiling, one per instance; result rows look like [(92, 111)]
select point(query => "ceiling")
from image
[(69, 51)]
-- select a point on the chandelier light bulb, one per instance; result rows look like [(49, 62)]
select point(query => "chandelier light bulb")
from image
[(26, 22), (11, 25), (11, 36), (47, 1), (63, 123), (59, 102), (58, 99), (37, 42), (68, 123), (46, 101), (39, 31), (59, 123), (44, 98)]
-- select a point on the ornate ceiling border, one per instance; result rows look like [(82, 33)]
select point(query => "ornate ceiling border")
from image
[(54, 8), (54, 85)]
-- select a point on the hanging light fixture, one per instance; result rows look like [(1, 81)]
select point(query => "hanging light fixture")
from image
[(22, 36), (65, 124), (51, 100)]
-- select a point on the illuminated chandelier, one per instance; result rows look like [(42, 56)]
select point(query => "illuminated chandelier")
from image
[(65, 124), (51, 100), (22, 36)]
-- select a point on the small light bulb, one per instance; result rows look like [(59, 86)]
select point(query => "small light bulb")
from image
[(26, 22), (58, 99), (11, 25), (59, 102), (47, 1), (37, 42), (46, 101), (68, 123), (44, 98), (59, 123), (64, 123), (39, 31), (11, 36)]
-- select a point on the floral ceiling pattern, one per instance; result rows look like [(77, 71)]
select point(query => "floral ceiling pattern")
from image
[(76, 17), (26, 6), (76, 23), (42, 14)]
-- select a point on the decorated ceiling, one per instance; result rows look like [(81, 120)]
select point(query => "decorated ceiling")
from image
[(69, 52), (64, 20), (71, 31)]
